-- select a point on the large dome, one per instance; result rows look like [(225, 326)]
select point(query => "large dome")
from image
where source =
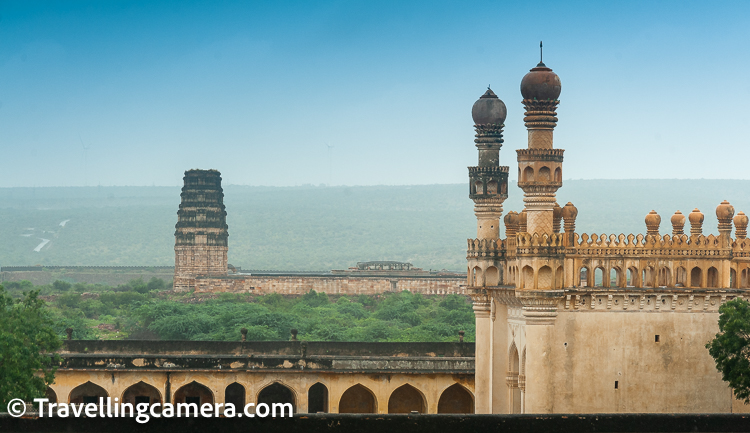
[(489, 109), (541, 84)]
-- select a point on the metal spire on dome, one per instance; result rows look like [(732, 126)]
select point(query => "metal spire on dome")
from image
[(541, 56)]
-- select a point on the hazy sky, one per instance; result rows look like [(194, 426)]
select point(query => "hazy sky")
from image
[(363, 92)]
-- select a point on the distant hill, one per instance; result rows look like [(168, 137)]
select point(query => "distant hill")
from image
[(318, 228)]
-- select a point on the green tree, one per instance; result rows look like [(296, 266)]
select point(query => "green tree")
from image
[(27, 339), (731, 347)]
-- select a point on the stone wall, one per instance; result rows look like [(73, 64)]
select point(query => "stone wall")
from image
[(111, 276), (332, 285)]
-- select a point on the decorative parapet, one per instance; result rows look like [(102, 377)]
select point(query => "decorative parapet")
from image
[(540, 155), (657, 245), (485, 249), (654, 300), (741, 249), (545, 244)]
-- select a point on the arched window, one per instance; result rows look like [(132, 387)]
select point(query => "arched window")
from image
[(614, 277), (544, 174), (712, 278), (492, 276), (513, 372), (544, 278), (681, 277), (194, 392), (317, 398), (744, 279), (277, 393), (456, 399), (492, 187), (583, 277), (665, 277), (733, 279), (559, 277), (558, 175), (141, 392), (357, 399), (89, 392), (632, 277), (528, 174), (696, 276), (406, 399), (528, 277), (50, 395), (599, 276), (235, 394)]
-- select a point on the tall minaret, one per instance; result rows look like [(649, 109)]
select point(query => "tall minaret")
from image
[(540, 166), (540, 175), (488, 186), (201, 231)]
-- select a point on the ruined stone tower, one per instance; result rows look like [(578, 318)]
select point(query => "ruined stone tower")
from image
[(201, 232)]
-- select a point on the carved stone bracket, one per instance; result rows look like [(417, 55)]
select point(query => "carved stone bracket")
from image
[(540, 307), (481, 300)]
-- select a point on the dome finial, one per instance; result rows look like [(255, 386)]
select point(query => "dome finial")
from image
[(541, 55)]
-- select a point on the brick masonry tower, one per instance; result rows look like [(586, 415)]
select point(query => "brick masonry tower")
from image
[(201, 232)]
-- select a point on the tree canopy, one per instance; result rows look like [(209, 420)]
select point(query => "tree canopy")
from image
[(731, 347), (27, 340)]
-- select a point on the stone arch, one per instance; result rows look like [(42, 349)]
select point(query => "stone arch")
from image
[(733, 283), (583, 277), (648, 277), (712, 277), (277, 393), (406, 399), (696, 275), (528, 174), (456, 399), (599, 276), (492, 276), (88, 392), (632, 277), (559, 278), (665, 277), (194, 392), (681, 277), (544, 174), (544, 278), (235, 393), (50, 395), (141, 392), (358, 399), (744, 278), (512, 380), (317, 398), (558, 175), (615, 277), (476, 276), (492, 187), (528, 277), (478, 187)]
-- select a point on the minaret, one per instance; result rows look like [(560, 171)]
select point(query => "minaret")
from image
[(488, 187), (201, 231), (540, 165)]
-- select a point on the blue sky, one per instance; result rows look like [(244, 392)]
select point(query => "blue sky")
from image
[(362, 92)]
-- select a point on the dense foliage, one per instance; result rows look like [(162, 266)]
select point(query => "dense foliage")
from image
[(26, 341), (731, 347), (139, 310)]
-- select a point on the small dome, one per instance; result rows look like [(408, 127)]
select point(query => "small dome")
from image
[(569, 211), (489, 109), (724, 211), (678, 219), (695, 217), (741, 220), (653, 218), (541, 84), (511, 218)]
